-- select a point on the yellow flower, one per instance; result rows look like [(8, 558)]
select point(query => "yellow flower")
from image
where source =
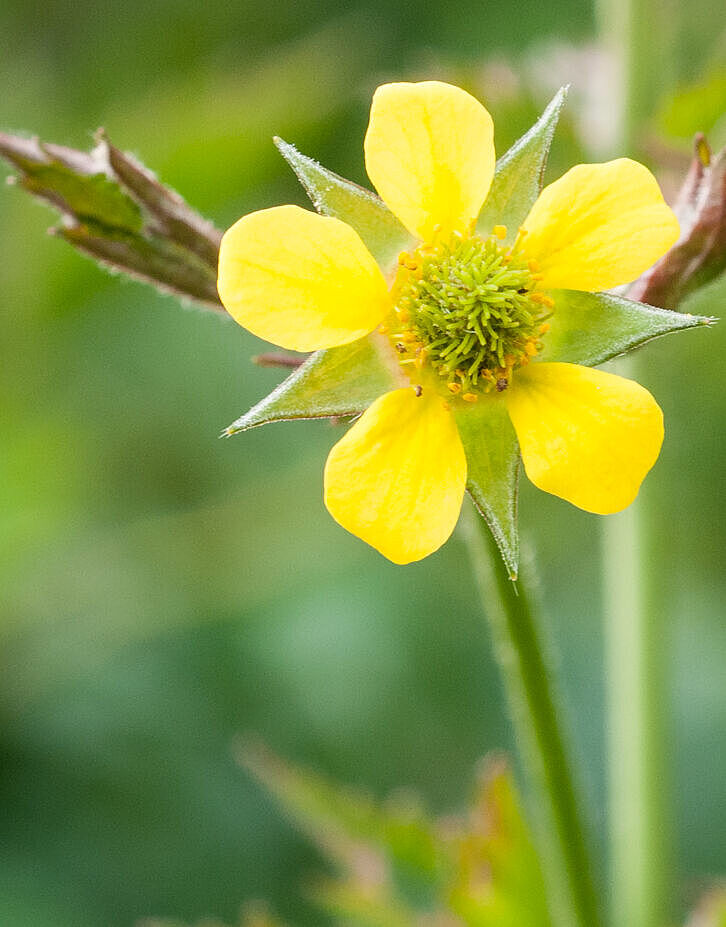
[(464, 316)]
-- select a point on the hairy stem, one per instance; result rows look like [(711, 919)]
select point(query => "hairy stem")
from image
[(530, 689)]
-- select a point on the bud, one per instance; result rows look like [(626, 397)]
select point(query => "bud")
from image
[(114, 210), (699, 255)]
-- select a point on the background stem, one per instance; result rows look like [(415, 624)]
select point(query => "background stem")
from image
[(530, 690), (639, 829), (639, 35)]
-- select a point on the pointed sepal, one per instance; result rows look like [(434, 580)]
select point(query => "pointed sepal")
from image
[(519, 174), (380, 230), (338, 381), (492, 457), (591, 328)]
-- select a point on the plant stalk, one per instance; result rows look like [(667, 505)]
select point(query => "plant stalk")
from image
[(640, 37), (639, 823), (530, 689)]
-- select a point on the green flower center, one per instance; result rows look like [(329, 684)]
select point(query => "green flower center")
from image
[(469, 308)]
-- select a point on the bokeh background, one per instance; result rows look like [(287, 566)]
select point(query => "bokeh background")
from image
[(161, 591)]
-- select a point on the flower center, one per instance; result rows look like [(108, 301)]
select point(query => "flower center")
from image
[(469, 308)]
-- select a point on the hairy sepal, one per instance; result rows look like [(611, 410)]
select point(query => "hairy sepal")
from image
[(331, 195), (492, 457), (335, 382), (591, 328), (519, 174)]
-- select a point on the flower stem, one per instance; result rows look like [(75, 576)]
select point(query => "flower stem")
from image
[(530, 690)]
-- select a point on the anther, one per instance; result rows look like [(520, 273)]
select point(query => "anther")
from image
[(453, 387), (502, 384), (542, 299), (418, 389), (383, 329), (470, 397), (500, 231)]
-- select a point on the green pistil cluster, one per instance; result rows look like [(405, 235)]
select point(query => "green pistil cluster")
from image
[(469, 309)]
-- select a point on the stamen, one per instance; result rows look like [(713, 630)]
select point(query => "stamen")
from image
[(470, 311)]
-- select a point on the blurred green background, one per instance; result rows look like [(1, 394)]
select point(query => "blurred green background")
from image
[(161, 591)]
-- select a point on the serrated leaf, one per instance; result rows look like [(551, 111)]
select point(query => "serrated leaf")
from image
[(519, 174), (500, 882), (380, 230), (344, 822), (492, 456), (591, 328), (337, 381)]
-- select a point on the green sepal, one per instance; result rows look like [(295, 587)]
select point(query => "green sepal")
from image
[(591, 328), (519, 174), (337, 381), (380, 230), (492, 458)]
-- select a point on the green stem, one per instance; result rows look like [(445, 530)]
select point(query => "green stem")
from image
[(528, 680), (640, 37), (639, 826)]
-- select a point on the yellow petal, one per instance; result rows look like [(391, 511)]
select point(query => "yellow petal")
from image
[(586, 436), (430, 154), (397, 478), (300, 280), (599, 226)]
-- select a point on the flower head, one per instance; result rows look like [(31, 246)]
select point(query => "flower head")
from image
[(480, 327)]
